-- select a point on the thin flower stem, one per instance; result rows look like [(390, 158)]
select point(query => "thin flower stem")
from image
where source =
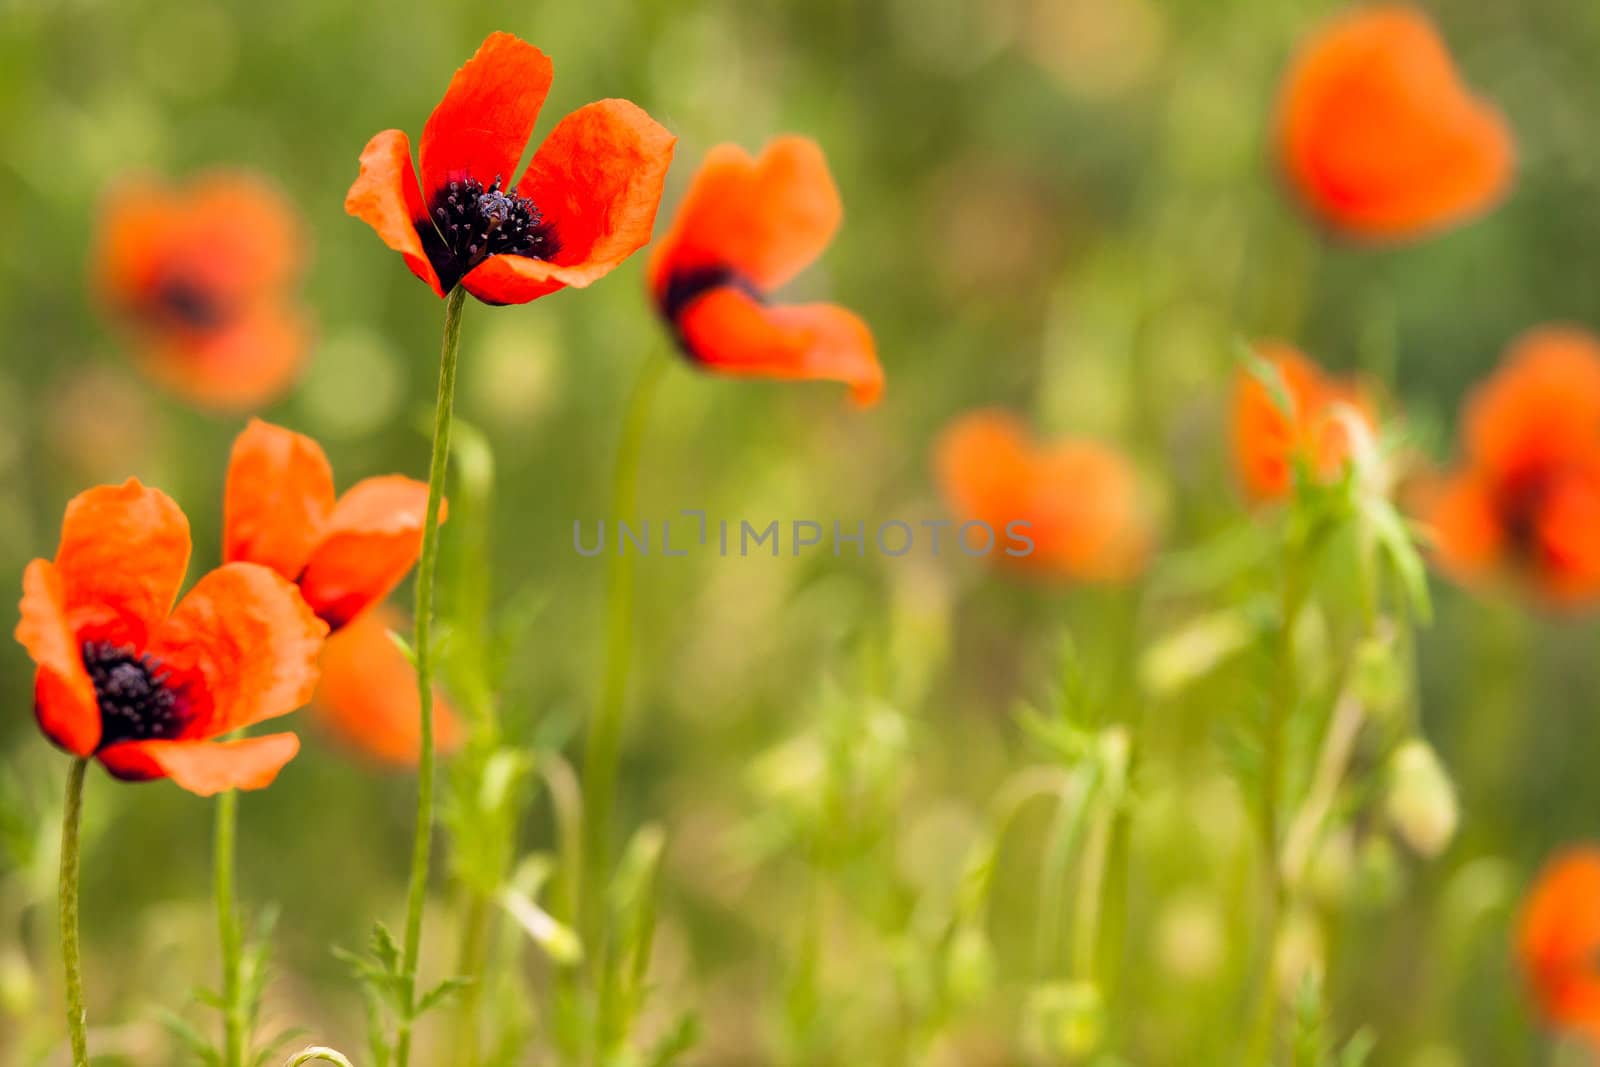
[(71, 816), (421, 848), (603, 749), (228, 929)]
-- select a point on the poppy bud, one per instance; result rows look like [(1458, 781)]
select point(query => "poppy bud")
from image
[(1421, 802)]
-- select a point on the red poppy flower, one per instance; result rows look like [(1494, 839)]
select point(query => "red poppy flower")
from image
[(1379, 136), (368, 694), (145, 687), (345, 553), (203, 277), (1527, 500), (1267, 441), (1080, 499), (745, 228), (586, 203), (1558, 942)]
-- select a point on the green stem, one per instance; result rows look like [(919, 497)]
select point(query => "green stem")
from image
[(422, 649), (1282, 706), (228, 929), (470, 965), (71, 816), (603, 749)]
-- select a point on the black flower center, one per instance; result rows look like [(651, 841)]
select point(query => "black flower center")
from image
[(684, 287), (137, 703), (181, 302), (471, 223)]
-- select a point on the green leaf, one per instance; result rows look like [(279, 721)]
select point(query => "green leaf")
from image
[(197, 1044), (439, 994)]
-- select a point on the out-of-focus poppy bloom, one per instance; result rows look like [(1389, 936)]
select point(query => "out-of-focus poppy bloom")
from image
[(345, 553), (124, 676), (1527, 500), (746, 227), (1558, 942), (203, 277), (1080, 499), (368, 694), (1379, 136), (586, 202), (1268, 441)]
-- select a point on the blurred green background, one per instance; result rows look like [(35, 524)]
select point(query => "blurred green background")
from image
[(1066, 207)]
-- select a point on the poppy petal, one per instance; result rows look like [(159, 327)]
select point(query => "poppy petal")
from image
[(1568, 531), (1465, 524), (64, 698), (728, 331), (767, 219), (123, 551), (247, 636), (598, 179), (368, 694), (386, 197), (1542, 406), (371, 540), (1380, 135), (242, 234), (1079, 499), (204, 768), (482, 125), (278, 495), (1558, 939), (240, 367)]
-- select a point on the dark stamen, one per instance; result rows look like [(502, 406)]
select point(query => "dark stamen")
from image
[(137, 703), (684, 287), (184, 303), (471, 223)]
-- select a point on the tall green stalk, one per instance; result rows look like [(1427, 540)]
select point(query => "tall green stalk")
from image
[(422, 649), (228, 933), (603, 750), (71, 816)]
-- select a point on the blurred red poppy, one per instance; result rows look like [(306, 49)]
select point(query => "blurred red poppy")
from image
[(345, 553), (1079, 499), (1379, 136), (124, 676), (586, 202), (1268, 441), (745, 228), (202, 275), (1558, 942), (368, 694), (1527, 499)]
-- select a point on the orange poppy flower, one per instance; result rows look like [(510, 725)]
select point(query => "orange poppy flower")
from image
[(203, 275), (1379, 136), (124, 676), (1528, 498), (1558, 941), (368, 694), (586, 203), (345, 553), (1267, 441), (1080, 499), (746, 227)]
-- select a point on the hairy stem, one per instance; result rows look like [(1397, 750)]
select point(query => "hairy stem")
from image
[(71, 816), (422, 639), (228, 929)]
